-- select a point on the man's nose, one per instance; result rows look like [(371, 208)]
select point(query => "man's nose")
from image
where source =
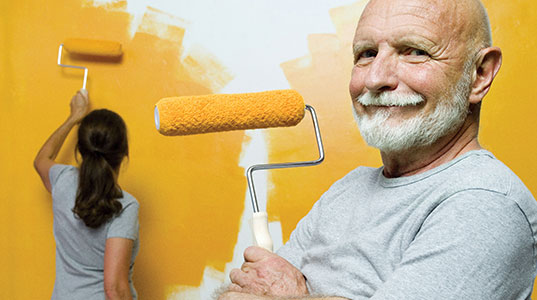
[(381, 75)]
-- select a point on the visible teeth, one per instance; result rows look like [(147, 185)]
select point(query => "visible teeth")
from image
[(390, 99)]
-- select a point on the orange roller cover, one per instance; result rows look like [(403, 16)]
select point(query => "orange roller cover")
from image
[(224, 112), (93, 47)]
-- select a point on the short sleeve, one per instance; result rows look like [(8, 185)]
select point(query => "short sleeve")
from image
[(475, 245), (57, 171), (306, 233), (300, 240), (126, 224)]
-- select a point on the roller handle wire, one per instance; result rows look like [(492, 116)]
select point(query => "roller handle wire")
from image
[(259, 220), (70, 66)]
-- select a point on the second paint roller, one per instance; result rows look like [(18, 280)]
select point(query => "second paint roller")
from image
[(224, 112)]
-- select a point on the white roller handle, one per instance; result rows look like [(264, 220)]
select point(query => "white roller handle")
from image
[(260, 230)]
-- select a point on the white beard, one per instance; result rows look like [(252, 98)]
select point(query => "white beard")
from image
[(420, 130)]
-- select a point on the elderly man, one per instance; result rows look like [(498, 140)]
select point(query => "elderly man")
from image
[(443, 218)]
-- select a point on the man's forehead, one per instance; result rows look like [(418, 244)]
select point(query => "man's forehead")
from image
[(421, 15), (427, 10)]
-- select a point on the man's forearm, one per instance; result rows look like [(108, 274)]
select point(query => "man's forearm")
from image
[(319, 298), (244, 296)]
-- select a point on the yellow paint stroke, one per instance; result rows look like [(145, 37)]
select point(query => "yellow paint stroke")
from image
[(161, 24), (108, 5), (191, 189), (200, 64), (207, 70), (322, 78)]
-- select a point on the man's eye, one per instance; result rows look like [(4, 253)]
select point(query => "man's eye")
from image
[(366, 54), (418, 52)]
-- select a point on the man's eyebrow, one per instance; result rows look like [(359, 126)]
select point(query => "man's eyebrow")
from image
[(360, 46), (415, 42)]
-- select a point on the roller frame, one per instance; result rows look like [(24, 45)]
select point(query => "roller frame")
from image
[(251, 169), (70, 66)]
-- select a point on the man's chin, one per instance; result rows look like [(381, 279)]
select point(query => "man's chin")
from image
[(391, 135), (389, 148)]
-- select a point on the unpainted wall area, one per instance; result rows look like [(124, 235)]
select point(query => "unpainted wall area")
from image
[(192, 189)]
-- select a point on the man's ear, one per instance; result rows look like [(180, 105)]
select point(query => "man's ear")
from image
[(487, 66)]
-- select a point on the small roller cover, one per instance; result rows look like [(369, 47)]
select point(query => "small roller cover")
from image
[(93, 47)]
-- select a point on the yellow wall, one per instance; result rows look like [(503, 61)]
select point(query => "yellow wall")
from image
[(191, 189)]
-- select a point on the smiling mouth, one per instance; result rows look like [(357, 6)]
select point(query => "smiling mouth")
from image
[(390, 99), (390, 106), (391, 109), (406, 105)]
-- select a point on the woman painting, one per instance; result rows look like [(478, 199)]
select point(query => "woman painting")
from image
[(95, 221)]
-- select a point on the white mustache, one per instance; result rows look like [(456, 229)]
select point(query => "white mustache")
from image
[(390, 99)]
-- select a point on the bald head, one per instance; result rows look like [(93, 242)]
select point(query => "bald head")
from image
[(466, 21), (479, 23), (436, 50)]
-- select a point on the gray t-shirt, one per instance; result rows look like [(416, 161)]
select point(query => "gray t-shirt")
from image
[(80, 249), (464, 230)]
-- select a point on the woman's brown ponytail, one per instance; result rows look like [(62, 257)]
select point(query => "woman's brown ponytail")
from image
[(102, 143)]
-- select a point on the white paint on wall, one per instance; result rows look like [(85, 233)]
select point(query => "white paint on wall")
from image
[(251, 39), (254, 152)]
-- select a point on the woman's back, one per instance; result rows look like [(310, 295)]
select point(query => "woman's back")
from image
[(80, 249), (95, 221)]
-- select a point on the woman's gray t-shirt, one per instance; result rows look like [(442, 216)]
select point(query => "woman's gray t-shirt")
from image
[(80, 249)]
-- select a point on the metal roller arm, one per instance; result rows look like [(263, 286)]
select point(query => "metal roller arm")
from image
[(70, 66), (251, 169)]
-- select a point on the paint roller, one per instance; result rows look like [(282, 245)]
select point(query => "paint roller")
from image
[(189, 115), (89, 48)]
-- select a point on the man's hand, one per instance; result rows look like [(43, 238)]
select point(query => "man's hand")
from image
[(239, 296), (265, 273)]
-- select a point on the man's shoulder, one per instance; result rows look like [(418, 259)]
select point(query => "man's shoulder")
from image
[(482, 170), (359, 175)]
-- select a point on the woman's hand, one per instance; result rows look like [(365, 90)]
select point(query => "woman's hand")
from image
[(79, 105)]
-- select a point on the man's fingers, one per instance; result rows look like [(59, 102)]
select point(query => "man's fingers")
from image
[(246, 267), (238, 277), (253, 254), (247, 283), (234, 288)]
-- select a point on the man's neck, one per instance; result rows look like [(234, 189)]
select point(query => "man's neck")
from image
[(418, 160)]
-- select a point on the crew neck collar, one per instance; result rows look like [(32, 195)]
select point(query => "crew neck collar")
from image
[(405, 180)]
